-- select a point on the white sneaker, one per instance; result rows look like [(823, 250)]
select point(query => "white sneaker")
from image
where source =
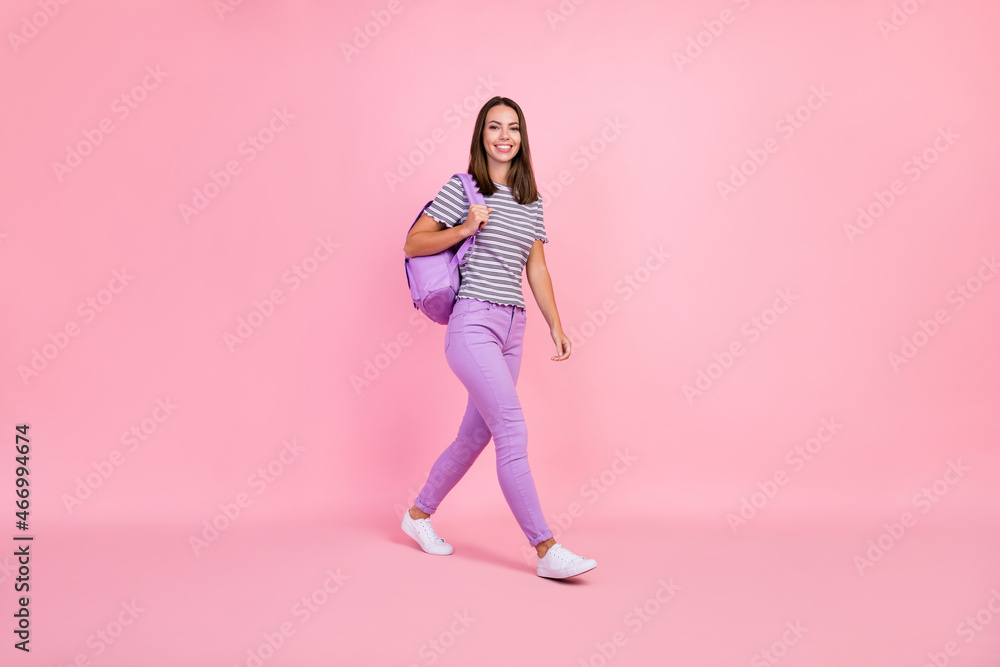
[(561, 563), (423, 532)]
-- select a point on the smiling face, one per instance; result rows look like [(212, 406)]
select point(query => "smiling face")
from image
[(501, 136)]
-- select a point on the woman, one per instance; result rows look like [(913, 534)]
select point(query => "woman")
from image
[(484, 338)]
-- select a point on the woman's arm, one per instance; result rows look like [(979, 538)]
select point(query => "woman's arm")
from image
[(428, 236), (541, 289)]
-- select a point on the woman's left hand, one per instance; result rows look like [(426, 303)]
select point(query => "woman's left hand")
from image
[(562, 345)]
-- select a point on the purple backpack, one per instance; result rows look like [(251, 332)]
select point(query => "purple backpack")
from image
[(434, 279)]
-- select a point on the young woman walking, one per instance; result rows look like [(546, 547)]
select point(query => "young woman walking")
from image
[(483, 341)]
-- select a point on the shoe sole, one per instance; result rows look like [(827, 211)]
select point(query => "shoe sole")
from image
[(567, 576), (412, 533)]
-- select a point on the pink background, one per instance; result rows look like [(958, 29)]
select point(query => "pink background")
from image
[(602, 77)]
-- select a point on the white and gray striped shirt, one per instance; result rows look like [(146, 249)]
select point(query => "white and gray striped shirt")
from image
[(493, 270)]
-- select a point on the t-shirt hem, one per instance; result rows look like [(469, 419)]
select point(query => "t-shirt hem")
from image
[(501, 303), (446, 223)]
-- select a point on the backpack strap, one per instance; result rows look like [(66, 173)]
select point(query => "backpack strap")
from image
[(473, 196)]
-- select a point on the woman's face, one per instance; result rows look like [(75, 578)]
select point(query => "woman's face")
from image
[(502, 134)]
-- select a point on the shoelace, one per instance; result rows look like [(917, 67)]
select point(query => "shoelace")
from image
[(561, 553), (427, 530)]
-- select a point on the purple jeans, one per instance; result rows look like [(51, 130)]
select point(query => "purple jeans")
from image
[(483, 346)]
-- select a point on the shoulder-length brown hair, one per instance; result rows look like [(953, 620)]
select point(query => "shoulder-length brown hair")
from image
[(521, 176)]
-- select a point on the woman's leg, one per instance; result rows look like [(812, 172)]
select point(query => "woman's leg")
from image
[(455, 461), (484, 350), (512, 355)]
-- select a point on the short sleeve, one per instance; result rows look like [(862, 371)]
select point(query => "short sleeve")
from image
[(540, 223), (449, 206)]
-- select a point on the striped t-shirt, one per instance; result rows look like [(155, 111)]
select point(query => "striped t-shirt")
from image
[(493, 270)]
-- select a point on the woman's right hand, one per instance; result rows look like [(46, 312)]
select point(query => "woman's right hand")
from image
[(478, 216)]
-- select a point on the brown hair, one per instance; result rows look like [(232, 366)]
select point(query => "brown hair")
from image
[(521, 176)]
